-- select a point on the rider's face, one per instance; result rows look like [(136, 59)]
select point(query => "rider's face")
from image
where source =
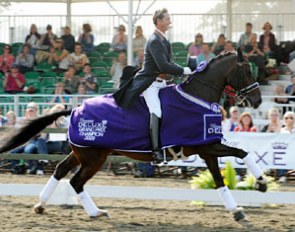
[(164, 23)]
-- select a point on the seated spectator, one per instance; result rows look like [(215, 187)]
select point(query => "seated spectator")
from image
[(139, 58), (256, 56), (3, 120), (71, 81), (196, 47), (82, 94), (117, 68), (78, 59), (59, 55), (288, 128), (87, 39), (119, 42), (89, 80), (267, 41), (205, 54), (245, 123), (33, 39), (25, 60), (228, 47), (46, 41), (68, 40), (279, 91), (6, 60), (230, 123), (14, 81), (59, 94), (218, 47), (139, 40), (274, 124), (290, 89), (11, 119), (245, 37)]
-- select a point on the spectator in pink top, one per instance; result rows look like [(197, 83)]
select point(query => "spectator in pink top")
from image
[(267, 41), (196, 47), (6, 60), (14, 81), (246, 123)]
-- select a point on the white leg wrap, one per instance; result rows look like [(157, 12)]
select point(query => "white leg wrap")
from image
[(48, 190), (88, 204), (253, 167), (228, 200)]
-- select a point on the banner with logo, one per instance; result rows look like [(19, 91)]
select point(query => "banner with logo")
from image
[(269, 150)]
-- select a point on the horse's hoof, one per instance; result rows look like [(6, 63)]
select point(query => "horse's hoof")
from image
[(239, 214), (261, 185), (39, 209), (102, 213)]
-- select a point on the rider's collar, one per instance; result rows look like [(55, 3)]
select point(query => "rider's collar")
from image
[(161, 33)]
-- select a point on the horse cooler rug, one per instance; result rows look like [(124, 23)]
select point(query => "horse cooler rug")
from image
[(186, 121)]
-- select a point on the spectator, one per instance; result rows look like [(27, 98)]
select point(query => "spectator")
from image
[(3, 120), (119, 42), (59, 55), (290, 89), (6, 60), (245, 123), (228, 47), (279, 91), (68, 40), (195, 48), (33, 39), (267, 41), (11, 119), (25, 60), (230, 123), (245, 37), (59, 94), (78, 59), (89, 80), (71, 81), (14, 81), (117, 68), (139, 40), (288, 128), (46, 41), (205, 54), (87, 39), (81, 93), (139, 59), (218, 47), (256, 56), (274, 125)]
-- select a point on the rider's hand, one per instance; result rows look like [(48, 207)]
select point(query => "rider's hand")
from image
[(187, 71)]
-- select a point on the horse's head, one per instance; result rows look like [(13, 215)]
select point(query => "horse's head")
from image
[(242, 81)]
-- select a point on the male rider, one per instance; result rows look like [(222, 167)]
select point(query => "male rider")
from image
[(151, 78)]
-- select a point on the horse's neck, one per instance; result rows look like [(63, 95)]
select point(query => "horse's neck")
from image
[(207, 90)]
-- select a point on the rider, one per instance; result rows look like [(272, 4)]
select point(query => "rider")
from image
[(151, 78)]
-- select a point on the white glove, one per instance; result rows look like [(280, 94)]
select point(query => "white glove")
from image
[(187, 71)]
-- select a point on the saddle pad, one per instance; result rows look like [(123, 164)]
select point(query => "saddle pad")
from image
[(186, 120)]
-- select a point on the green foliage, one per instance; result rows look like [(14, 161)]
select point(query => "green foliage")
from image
[(229, 175), (203, 181)]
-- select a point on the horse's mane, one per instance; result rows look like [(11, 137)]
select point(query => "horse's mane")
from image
[(221, 56)]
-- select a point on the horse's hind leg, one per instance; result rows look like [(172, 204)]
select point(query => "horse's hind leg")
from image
[(60, 172), (228, 200), (91, 161)]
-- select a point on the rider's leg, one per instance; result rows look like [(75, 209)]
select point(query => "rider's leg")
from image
[(151, 96)]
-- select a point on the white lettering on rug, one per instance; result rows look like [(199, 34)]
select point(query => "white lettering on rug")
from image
[(90, 130)]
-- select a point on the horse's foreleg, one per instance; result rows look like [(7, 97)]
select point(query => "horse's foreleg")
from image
[(61, 171), (90, 164), (225, 194)]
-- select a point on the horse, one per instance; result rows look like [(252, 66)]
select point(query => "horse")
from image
[(206, 85)]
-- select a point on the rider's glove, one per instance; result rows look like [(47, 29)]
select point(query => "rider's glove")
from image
[(187, 71)]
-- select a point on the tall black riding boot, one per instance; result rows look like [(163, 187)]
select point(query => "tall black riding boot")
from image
[(154, 134)]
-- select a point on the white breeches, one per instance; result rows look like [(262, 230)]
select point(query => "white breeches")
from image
[(151, 97)]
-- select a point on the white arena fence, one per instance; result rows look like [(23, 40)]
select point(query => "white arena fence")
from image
[(14, 28)]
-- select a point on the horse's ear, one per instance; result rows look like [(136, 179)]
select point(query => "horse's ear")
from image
[(240, 55)]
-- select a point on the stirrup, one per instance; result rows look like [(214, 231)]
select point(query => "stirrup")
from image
[(160, 157)]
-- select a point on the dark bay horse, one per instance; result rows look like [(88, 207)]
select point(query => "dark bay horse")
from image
[(228, 69)]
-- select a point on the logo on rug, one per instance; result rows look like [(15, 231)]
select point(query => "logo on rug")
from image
[(90, 130), (212, 126)]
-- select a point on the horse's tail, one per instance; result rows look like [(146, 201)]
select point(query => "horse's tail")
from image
[(25, 133)]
